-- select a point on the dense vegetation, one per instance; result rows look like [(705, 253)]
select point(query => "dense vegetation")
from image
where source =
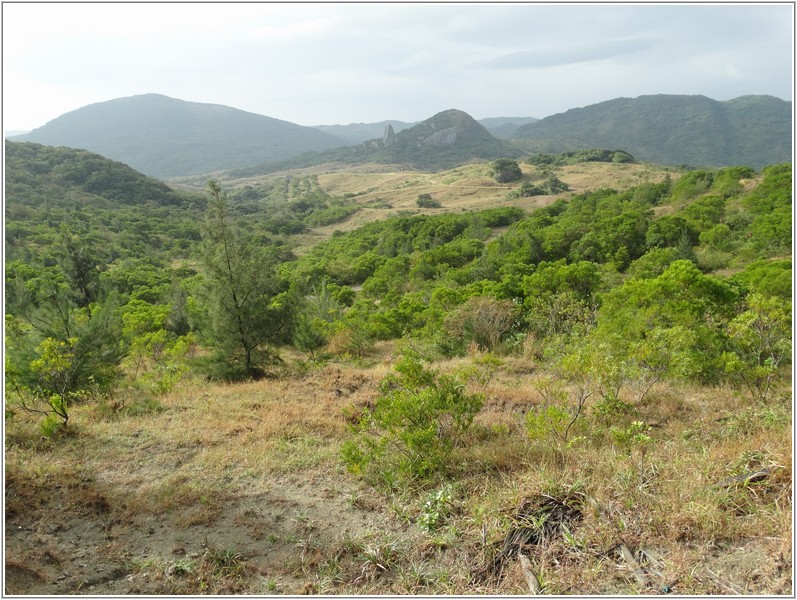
[(674, 130), (623, 348), (557, 271), (102, 257), (290, 205)]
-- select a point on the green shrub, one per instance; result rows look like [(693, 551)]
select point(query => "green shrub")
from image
[(413, 427), (633, 436), (426, 201), (436, 509), (505, 170)]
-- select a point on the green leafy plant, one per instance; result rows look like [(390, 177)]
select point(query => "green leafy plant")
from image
[(633, 436), (760, 338), (436, 508), (415, 424)]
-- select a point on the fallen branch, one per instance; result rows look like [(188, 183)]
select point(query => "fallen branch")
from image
[(639, 573), (653, 562), (531, 578), (744, 479)]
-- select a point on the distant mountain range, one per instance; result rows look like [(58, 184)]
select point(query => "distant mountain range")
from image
[(357, 133), (754, 131), (164, 137), (448, 139)]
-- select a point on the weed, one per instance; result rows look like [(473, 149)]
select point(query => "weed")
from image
[(436, 509), (271, 584), (416, 576), (180, 568), (226, 561), (633, 436), (378, 558)]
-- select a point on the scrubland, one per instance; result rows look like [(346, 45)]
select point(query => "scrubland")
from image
[(240, 489)]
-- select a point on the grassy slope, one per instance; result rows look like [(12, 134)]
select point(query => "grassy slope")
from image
[(239, 489), (387, 190)]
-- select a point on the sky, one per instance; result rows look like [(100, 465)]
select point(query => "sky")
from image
[(340, 63)]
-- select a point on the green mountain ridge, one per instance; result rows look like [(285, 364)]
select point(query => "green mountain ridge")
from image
[(448, 139), (165, 137), (168, 138), (671, 129)]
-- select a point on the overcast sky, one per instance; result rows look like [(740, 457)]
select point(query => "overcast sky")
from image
[(338, 63)]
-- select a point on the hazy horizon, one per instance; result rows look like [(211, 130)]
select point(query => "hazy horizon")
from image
[(320, 64)]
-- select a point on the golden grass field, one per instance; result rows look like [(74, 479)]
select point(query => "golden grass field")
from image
[(384, 191)]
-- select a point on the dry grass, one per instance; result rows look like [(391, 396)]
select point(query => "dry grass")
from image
[(384, 191), (253, 470)]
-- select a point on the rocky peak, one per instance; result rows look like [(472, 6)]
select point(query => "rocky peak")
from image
[(390, 136)]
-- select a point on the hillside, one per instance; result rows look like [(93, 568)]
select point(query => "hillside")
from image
[(445, 140), (165, 137), (666, 129), (124, 213), (356, 133), (599, 379)]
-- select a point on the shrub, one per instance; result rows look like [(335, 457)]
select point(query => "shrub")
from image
[(413, 427), (481, 320), (505, 170), (426, 201), (635, 435)]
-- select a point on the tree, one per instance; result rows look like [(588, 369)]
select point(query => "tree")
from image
[(426, 201), (53, 363), (81, 266), (241, 295), (670, 325), (309, 336), (760, 340), (505, 170)]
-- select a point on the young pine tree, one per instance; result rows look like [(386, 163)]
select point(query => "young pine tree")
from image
[(241, 296)]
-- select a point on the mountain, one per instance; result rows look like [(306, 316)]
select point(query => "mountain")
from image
[(165, 137), (445, 140), (356, 133), (448, 139), (504, 127), (667, 129)]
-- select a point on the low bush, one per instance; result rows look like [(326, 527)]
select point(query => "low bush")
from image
[(413, 428)]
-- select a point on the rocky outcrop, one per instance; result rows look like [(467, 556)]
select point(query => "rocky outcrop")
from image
[(445, 138), (390, 136)]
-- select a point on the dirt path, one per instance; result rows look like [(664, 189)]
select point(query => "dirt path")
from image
[(278, 530)]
